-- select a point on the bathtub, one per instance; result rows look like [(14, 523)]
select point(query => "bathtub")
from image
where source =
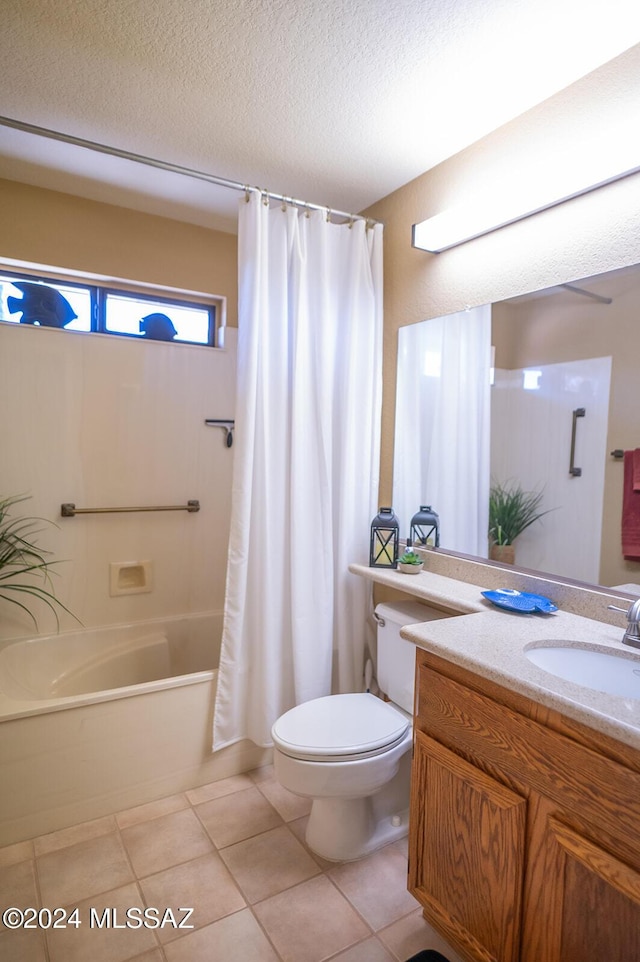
[(96, 721)]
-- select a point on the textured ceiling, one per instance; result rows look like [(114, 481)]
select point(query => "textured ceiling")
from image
[(338, 102)]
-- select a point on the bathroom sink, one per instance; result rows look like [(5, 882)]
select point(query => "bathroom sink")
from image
[(608, 671)]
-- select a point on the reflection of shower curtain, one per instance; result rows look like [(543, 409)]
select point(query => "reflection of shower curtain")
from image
[(442, 453), (305, 467)]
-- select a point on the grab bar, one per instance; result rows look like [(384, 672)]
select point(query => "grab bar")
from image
[(69, 510), (573, 471)]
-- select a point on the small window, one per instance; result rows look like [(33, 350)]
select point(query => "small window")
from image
[(40, 301), (45, 303), (158, 319)]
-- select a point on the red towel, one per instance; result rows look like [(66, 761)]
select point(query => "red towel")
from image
[(631, 506)]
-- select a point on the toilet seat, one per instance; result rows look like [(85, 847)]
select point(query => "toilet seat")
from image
[(339, 728)]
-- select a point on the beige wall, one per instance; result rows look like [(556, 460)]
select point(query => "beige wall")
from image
[(586, 236), (59, 230)]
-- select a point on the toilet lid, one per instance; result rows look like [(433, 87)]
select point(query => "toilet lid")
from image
[(338, 726)]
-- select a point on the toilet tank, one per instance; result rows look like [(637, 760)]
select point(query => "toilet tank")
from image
[(397, 657)]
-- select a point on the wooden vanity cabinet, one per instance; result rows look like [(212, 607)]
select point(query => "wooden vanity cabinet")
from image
[(524, 842)]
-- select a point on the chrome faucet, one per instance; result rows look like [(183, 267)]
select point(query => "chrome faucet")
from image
[(632, 634)]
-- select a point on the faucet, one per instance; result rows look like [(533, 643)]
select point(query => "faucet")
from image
[(632, 634)]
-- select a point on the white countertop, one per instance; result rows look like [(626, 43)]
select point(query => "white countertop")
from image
[(491, 642)]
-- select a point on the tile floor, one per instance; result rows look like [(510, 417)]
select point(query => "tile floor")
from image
[(234, 851)]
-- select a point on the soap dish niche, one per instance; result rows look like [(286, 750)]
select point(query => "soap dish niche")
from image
[(130, 577)]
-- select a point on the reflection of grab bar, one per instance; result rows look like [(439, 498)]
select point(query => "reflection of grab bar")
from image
[(69, 510), (573, 471)]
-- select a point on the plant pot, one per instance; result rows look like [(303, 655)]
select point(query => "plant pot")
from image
[(407, 569), (504, 553)]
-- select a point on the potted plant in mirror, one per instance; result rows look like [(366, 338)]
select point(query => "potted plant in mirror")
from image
[(25, 571), (410, 563), (511, 511)]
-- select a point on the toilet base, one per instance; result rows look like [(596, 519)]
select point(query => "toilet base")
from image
[(346, 829), (343, 829)]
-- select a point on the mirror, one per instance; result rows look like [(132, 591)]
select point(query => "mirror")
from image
[(564, 396)]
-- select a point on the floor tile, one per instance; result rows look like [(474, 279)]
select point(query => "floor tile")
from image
[(235, 817), (411, 935), (23, 946), (18, 889), (204, 884), (81, 870), (153, 955), (233, 850), (226, 786), (165, 841), (102, 937), (310, 922), (74, 834), (19, 852), (371, 950), (155, 809), (18, 886), (377, 886), (269, 863), (237, 938)]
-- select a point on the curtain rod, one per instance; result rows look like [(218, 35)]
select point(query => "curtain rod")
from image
[(166, 165)]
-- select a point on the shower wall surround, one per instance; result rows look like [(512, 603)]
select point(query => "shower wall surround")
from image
[(104, 421)]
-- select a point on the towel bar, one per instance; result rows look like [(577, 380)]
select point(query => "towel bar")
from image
[(69, 510)]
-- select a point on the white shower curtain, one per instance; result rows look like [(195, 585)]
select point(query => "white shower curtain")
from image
[(442, 433), (306, 464)]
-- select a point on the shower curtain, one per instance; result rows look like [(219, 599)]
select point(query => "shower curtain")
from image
[(305, 467)]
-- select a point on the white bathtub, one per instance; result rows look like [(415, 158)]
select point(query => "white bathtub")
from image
[(92, 722)]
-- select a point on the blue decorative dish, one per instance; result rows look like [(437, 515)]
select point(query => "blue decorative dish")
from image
[(522, 601)]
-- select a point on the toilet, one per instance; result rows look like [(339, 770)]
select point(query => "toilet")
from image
[(351, 753)]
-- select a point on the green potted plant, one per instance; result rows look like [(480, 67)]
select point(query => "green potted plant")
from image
[(410, 563), (511, 511), (24, 569)]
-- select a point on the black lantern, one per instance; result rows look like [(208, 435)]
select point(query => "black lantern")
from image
[(385, 538), (425, 527)]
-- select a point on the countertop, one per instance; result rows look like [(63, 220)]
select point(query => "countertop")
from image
[(491, 643)]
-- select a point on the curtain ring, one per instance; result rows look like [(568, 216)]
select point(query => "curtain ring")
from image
[(328, 215), (265, 198), (307, 211), (247, 195)]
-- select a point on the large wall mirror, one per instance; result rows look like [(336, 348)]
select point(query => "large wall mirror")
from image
[(558, 402)]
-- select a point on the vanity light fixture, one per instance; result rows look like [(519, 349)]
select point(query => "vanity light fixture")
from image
[(460, 224)]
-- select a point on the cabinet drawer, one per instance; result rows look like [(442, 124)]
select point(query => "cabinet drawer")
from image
[(577, 778)]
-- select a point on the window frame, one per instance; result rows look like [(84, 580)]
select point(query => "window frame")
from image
[(100, 288)]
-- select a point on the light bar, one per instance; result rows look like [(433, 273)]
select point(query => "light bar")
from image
[(460, 224)]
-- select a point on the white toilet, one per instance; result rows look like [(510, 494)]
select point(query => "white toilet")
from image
[(351, 753)]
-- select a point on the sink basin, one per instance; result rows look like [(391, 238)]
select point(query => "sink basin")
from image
[(616, 674)]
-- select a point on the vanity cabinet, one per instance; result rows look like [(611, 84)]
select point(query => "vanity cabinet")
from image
[(525, 826)]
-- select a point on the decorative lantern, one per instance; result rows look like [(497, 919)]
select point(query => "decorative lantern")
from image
[(425, 527), (385, 538)]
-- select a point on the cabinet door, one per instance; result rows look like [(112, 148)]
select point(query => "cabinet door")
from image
[(589, 899), (467, 838)]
